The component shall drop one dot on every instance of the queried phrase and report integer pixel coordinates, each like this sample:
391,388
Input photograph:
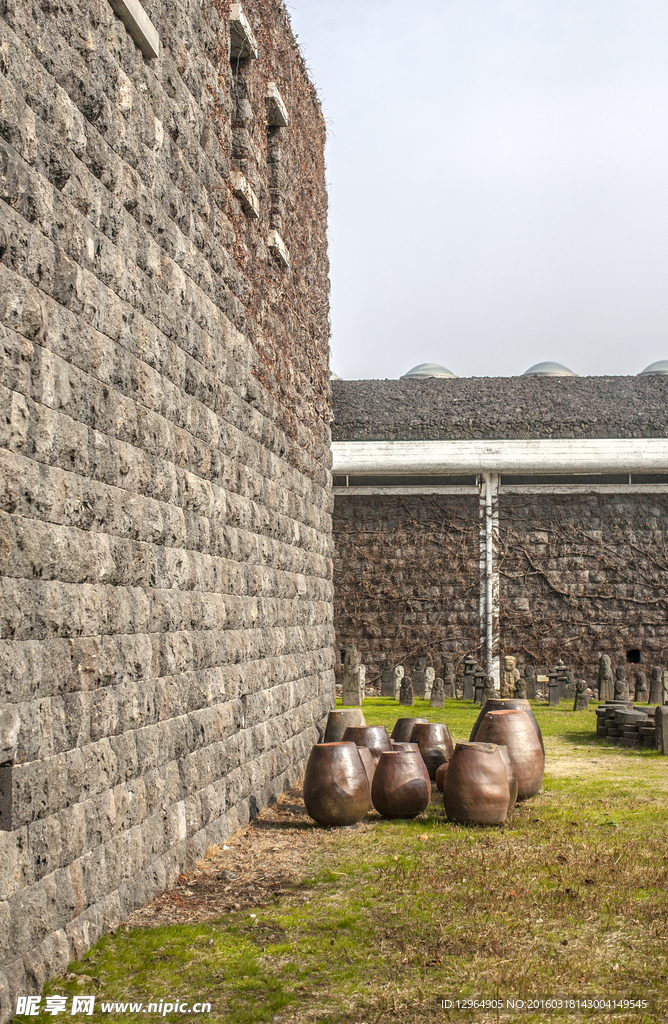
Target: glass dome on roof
548,369
661,366
428,370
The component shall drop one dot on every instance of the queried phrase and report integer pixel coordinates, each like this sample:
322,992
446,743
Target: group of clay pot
358,767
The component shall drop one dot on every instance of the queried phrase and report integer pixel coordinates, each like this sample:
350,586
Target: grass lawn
568,899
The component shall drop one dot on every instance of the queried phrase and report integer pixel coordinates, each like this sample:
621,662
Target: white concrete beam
242,41
278,248
563,455
139,25
277,112
245,194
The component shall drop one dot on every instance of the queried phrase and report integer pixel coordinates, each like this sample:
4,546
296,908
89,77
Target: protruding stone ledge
242,41
278,248
139,25
245,194
277,112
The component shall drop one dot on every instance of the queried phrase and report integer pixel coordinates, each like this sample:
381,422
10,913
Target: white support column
489,589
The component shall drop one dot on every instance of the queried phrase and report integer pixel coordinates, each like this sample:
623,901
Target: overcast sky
498,178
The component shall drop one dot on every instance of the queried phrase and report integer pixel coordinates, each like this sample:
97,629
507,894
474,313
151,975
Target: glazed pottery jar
476,786
372,736
403,728
369,766
499,704
441,772
514,729
339,720
401,786
404,746
512,780
336,787
435,744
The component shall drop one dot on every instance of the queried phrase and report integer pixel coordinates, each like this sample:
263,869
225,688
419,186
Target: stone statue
509,676
390,679
656,686
665,687
554,687
606,682
561,673
437,696
469,669
642,689
571,685
353,678
406,692
431,675
489,692
581,699
479,682
530,681
420,677
449,682
621,685
520,689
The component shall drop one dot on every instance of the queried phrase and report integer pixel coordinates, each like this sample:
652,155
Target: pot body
372,736
499,705
339,720
435,744
336,787
440,776
403,728
404,746
510,772
514,729
401,786
476,786
369,767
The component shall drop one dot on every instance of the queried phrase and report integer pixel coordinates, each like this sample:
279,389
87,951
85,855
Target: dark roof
499,407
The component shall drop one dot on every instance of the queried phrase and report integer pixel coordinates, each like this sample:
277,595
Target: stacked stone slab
625,725
165,526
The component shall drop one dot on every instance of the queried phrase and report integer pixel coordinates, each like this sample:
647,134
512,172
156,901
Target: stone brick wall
406,577
165,528
583,575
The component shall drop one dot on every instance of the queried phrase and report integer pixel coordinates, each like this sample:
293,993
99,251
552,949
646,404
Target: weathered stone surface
165,507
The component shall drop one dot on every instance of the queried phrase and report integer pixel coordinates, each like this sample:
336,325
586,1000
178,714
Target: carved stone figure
581,699
530,681
642,688
489,692
656,686
606,682
469,669
354,675
437,696
390,679
571,685
561,672
420,678
621,685
520,689
406,692
449,682
665,687
509,677
431,675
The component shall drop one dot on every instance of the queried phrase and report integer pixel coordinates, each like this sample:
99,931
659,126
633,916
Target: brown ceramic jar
369,766
435,744
401,786
441,772
404,746
476,786
500,704
514,729
339,720
372,736
512,780
336,787
403,728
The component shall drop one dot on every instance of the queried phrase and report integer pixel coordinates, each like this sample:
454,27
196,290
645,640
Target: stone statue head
388,665
438,686
620,672
529,671
509,662
352,659
421,665
657,672
605,661
581,685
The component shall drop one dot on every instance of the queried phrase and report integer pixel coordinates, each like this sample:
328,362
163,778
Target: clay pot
403,728
513,728
369,766
336,787
404,746
510,772
372,736
441,772
435,744
339,720
401,786
499,704
476,785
